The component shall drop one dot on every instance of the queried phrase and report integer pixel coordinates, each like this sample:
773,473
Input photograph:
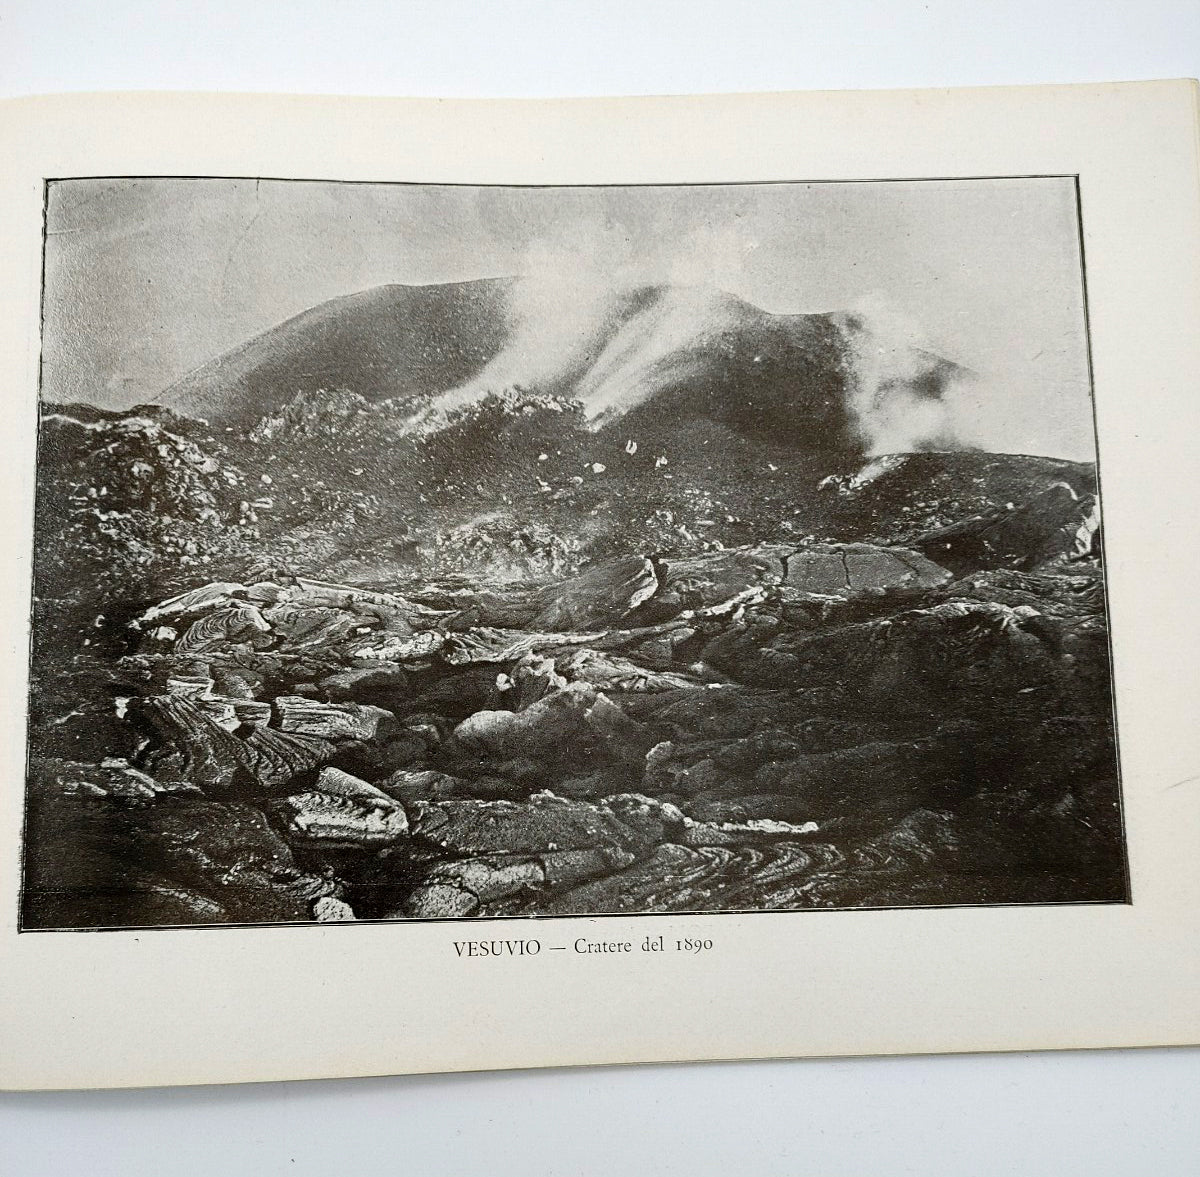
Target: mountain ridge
334,349
657,350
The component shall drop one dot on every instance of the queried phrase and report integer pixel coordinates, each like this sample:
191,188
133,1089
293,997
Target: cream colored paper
237,1004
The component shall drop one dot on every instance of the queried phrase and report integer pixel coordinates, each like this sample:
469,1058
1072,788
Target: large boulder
545,823
599,597
1055,528
567,726
848,570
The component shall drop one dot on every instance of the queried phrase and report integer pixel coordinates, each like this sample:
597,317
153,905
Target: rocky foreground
775,725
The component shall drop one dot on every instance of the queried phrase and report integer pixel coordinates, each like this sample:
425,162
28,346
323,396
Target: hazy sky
147,279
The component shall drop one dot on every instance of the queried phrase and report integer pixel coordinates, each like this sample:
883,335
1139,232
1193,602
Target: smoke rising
990,269
588,319
576,289
900,392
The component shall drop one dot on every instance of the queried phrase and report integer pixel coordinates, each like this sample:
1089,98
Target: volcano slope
528,663
651,355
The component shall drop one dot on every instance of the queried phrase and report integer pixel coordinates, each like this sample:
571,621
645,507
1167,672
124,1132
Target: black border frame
475,920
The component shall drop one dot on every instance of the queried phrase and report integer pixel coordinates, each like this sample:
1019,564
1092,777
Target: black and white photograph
417,551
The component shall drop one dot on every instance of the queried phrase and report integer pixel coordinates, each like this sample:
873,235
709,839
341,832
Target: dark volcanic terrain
621,644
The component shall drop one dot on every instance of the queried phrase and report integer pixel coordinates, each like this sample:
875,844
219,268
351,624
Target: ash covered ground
661,637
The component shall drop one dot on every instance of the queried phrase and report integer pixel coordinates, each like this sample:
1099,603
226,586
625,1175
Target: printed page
506,584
